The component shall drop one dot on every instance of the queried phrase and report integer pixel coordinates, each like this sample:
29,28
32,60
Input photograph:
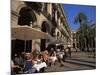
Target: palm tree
92,35
81,18
86,29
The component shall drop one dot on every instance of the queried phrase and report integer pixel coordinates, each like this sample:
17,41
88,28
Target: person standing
69,51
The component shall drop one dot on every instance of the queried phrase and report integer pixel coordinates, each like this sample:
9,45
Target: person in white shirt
60,55
53,58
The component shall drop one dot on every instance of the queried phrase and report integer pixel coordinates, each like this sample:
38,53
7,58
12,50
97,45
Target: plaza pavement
77,61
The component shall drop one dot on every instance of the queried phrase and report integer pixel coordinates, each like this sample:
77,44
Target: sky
71,11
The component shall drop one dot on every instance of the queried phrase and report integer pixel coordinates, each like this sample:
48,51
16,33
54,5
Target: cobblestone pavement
84,57
67,67
88,56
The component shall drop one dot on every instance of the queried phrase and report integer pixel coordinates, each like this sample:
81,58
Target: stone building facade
46,17
74,39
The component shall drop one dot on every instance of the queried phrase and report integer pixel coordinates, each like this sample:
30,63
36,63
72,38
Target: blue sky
71,10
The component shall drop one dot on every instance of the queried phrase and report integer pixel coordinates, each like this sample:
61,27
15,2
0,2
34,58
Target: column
56,16
49,8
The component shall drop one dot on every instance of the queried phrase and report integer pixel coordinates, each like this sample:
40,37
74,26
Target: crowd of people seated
35,62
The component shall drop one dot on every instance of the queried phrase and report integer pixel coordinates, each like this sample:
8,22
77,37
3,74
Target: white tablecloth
39,66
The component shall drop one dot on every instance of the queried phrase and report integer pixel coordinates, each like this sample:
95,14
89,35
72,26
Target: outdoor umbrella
27,33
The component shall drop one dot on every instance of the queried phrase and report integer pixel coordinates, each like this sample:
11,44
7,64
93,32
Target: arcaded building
48,18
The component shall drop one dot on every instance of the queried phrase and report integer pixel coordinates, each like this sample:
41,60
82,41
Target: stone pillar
42,7
59,21
56,16
49,8
36,45
33,45
56,30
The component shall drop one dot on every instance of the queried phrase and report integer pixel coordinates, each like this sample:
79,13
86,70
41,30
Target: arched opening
43,41
73,45
53,31
26,17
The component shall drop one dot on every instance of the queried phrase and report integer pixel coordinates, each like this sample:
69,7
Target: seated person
38,63
13,67
45,56
53,58
40,58
28,62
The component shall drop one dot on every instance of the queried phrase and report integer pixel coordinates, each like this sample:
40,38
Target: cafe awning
27,33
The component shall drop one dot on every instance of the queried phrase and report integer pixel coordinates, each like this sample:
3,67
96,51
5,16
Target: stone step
81,63
85,60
